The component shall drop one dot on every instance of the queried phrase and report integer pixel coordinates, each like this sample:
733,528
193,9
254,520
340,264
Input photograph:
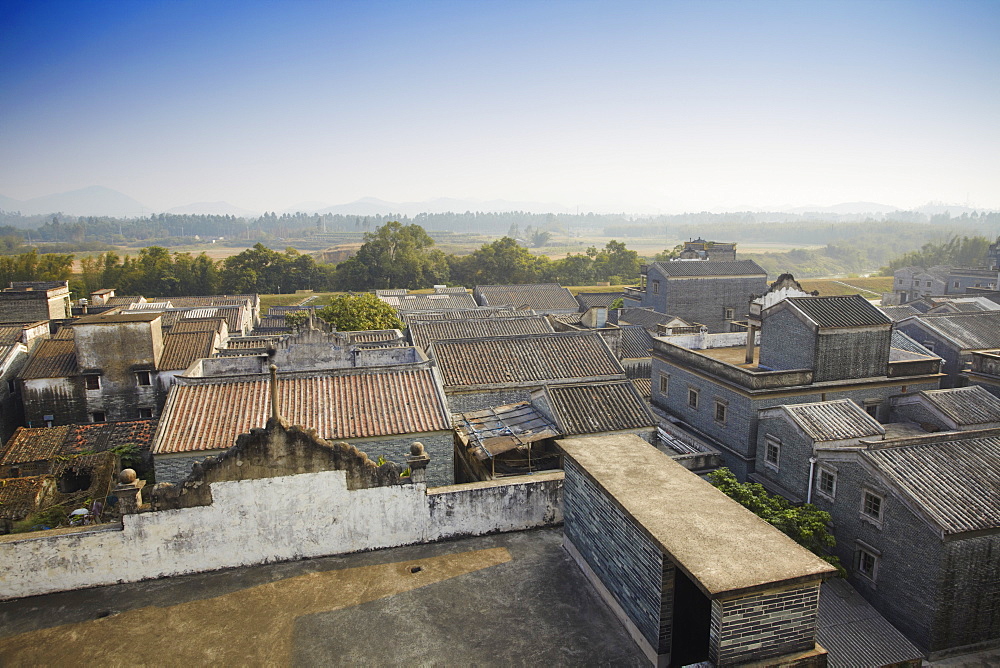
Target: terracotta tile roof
103,436
540,297
839,311
19,497
212,300
181,349
44,443
595,408
53,358
644,386
525,360
65,333
209,416
374,336
10,334
424,333
34,445
955,483
685,268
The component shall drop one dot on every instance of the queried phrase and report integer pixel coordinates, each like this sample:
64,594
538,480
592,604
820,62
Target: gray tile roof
646,317
965,406
897,313
854,633
527,360
595,408
838,420
902,341
460,314
540,297
955,483
424,333
636,342
840,311
683,268
589,299
424,302
969,331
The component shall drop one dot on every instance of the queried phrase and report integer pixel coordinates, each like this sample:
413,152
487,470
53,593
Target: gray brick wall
852,354
175,469
786,343
763,626
623,557
737,436
702,300
793,457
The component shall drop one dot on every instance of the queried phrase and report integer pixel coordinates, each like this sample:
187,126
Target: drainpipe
809,493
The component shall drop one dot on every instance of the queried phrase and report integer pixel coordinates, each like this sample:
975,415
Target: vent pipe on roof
274,393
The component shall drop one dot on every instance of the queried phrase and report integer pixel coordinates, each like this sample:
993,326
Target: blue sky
627,106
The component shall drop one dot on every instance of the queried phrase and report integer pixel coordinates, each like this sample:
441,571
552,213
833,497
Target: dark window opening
693,398
99,416
93,381
144,378
145,413
692,619
73,481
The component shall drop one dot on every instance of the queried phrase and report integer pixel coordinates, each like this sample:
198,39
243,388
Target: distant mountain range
101,201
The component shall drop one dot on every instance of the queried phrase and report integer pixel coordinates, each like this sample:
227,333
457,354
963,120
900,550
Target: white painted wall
704,340
274,519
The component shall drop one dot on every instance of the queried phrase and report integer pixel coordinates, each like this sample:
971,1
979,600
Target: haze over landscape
638,107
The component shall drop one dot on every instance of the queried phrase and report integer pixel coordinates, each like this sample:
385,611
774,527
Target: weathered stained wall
283,518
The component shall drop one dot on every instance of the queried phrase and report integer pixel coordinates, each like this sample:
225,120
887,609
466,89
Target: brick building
811,349
29,301
711,293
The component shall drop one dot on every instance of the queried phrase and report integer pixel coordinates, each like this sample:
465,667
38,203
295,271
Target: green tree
807,525
615,259
394,256
357,312
501,262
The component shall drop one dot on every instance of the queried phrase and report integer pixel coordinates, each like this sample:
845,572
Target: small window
730,313
957,284
98,416
656,287
872,409
145,413
900,281
12,386
867,563
929,345
928,284
720,412
93,381
693,398
772,452
871,506
827,485
143,378
664,383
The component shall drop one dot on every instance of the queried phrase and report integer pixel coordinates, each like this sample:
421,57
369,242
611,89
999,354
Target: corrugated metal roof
595,408
840,311
183,348
424,333
210,416
503,428
969,331
124,300
965,406
834,420
956,483
53,358
540,296
636,342
435,302
683,268
519,360
854,633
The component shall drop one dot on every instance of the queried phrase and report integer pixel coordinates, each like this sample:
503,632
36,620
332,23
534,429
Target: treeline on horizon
746,226
397,255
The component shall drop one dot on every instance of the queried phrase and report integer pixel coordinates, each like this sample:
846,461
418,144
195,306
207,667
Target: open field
869,288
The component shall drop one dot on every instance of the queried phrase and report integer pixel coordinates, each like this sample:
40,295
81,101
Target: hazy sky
640,106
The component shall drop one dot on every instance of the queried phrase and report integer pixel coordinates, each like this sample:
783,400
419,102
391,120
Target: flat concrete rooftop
735,355
508,599
721,545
